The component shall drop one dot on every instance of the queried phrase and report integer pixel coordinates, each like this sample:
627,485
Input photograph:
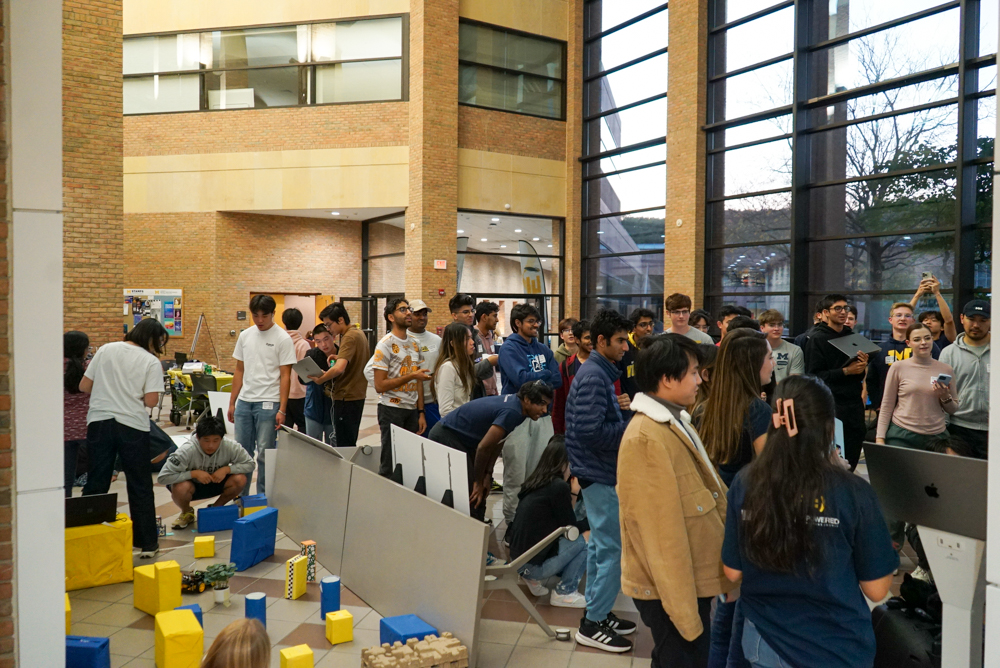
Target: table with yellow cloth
99,554
222,380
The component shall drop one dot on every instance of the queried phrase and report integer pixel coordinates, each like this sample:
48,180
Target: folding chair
506,575
201,385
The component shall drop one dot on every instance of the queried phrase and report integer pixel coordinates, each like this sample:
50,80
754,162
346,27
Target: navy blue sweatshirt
521,361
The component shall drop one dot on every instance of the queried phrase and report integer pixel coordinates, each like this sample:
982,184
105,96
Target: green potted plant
218,576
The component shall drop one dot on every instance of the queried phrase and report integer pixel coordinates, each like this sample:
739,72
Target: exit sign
440,264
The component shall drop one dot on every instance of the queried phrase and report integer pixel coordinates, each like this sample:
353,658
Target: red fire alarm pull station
440,331
440,264
440,292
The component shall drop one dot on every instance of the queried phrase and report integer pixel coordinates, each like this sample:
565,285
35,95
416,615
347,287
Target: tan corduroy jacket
673,516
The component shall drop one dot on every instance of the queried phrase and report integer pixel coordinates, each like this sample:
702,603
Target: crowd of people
705,476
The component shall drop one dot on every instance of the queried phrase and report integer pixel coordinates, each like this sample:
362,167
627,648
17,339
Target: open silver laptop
930,489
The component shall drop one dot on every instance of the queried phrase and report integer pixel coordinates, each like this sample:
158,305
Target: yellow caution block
69,615
295,576
157,587
180,640
204,546
339,627
300,656
251,511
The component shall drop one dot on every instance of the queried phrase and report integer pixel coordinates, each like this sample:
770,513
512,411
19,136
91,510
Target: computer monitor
180,358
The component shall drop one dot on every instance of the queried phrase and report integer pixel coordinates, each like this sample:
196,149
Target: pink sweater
909,400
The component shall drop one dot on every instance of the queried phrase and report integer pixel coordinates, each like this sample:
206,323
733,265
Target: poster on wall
163,304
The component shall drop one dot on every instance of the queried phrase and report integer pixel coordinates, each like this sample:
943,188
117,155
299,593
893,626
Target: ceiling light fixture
535,239
495,220
461,231
334,213
518,231
502,246
483,239
600,231
550,245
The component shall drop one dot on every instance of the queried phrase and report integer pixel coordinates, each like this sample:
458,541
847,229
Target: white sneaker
921,574
535,587
572,600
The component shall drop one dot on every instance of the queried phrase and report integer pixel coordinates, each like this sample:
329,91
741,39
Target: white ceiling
366,213
502,232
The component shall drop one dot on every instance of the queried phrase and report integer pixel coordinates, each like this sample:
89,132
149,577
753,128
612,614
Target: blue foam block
253,538
84,652
256,607
253,501
196,609
217,518
329,591
402,628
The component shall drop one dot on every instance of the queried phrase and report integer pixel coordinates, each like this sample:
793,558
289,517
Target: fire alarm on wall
440,292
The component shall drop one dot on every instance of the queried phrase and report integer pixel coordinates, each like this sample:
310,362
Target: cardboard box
251,504
84,652
339,627
98,554
217,518
180,640
157,587
204,547
295,577
253,538
300,656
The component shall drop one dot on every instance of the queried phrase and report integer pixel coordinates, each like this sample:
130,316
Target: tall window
624,154
853,163
512,71
258,68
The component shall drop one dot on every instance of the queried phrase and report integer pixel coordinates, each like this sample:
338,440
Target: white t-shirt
123,374
429,344
695,335
262,354
398,358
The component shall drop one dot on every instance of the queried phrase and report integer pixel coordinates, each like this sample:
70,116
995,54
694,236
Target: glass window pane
737,9
485,87
873,312
755,168
986,126
536,56
897,143
500,233
385,275
987,28
747,44
624,234
628,43
624,128
751,219
257,47
654,303
914,201
743,134
984,194
632,84
881,263
987,78
481,86
254,89
750,269
481,44
602,16
387,237
631,274
160,94
983,244
758,90
356,40
887,101
359,82
756,303
164,53
854,15
508,274
614,163
639,189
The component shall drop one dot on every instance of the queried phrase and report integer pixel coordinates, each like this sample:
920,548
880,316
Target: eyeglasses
681,312
404,309
566,331
839,309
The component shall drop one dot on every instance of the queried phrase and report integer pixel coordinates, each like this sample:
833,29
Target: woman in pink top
915,405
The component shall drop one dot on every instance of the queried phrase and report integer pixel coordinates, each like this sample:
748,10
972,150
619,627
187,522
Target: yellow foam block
69,615
180,640
157,587
339,627
204,546
295,576
300,656
99,554
250,511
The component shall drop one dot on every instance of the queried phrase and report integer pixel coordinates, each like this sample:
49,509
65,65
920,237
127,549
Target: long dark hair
75,346
454,349
785,484
735,384
551,465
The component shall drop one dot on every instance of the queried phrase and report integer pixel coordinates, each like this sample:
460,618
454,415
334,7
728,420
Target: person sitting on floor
546,503
208,465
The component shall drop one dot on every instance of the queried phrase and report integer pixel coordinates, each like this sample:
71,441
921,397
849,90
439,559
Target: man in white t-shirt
398,379
788,357
429,344
264,357
679,309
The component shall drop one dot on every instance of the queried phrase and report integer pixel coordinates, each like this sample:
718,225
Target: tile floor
508,638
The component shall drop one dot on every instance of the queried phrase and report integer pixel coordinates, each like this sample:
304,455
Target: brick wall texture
219,259
503,132
7,657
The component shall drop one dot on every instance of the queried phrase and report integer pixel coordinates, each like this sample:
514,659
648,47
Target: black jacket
826,362
539,513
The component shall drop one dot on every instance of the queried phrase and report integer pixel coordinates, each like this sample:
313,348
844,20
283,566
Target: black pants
853,417
441,434
347,421
108,439
71,453
670,649
977,439
295,414
407,418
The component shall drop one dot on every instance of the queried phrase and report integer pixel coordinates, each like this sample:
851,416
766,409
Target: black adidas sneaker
622,627
601,636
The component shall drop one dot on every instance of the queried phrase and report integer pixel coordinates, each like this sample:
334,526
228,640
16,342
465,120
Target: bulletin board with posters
164,305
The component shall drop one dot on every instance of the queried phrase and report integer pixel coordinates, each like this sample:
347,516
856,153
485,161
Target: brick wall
326,126
574,148
516,134
92,168
7,658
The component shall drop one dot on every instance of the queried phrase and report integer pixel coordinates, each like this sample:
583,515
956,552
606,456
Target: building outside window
624,155
511,71
853,163
262,68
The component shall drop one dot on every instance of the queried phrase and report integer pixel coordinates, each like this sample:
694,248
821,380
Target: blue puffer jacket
594,422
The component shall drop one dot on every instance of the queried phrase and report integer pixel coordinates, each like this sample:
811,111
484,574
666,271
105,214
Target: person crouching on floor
208,465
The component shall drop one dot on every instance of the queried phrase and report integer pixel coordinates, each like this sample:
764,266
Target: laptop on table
93,509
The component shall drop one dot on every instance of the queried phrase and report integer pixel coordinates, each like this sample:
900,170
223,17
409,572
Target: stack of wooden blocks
431,652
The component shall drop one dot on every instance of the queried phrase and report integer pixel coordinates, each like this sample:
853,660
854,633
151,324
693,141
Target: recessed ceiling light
461,231
495,220
502,246
334,213
773,254
535,239
550,245
483,239
544,260
662,236
518,231
907,238
600,231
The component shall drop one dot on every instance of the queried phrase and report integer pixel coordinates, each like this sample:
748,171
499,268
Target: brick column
432,212
687,81
573,265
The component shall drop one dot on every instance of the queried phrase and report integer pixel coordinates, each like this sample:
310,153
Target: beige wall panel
489,181
146,16
539,17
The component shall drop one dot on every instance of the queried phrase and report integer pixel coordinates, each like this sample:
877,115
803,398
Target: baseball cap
979,307
419,305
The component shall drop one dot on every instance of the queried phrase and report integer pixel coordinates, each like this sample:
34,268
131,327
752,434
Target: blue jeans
321,432
727,634
570,564
432,415
758,652
255,432
604,551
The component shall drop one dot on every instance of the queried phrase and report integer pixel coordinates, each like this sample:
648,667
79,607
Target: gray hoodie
972,383
190,457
